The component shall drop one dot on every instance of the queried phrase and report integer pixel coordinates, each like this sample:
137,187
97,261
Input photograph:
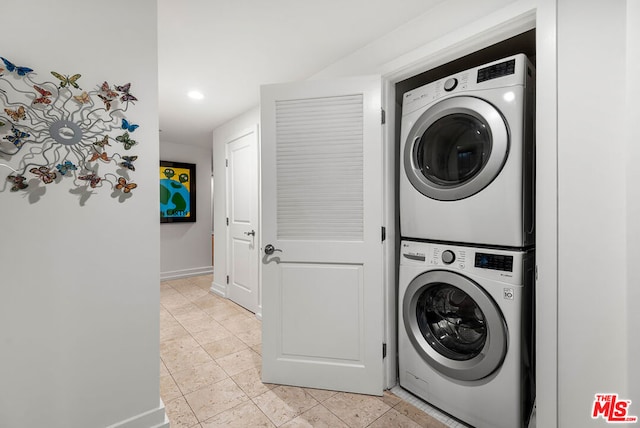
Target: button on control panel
448,257
450,84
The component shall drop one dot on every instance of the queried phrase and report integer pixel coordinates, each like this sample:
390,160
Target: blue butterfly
66,167
17,137
22,71
127,162
129,126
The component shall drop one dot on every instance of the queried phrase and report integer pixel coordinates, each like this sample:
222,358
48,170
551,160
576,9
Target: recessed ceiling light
195,95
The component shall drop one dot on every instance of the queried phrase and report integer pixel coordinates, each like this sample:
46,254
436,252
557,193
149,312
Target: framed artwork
177,192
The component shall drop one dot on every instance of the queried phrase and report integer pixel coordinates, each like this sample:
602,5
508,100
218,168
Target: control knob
448,257
450,84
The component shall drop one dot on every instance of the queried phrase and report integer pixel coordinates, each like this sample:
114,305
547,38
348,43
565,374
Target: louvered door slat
319,163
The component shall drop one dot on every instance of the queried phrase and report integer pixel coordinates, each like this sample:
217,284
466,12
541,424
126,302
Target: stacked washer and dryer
466,280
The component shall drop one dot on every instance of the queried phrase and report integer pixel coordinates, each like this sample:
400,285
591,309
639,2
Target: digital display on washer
497,70
494,261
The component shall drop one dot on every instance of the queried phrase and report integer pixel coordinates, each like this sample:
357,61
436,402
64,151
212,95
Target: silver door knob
270,249
252,233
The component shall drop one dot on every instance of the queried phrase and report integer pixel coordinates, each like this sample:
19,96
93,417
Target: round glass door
454,325
451,321
456,148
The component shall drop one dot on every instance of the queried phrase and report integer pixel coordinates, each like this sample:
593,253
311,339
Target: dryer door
454,325
456,148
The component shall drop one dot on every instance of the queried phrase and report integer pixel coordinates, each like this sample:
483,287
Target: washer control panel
494,263
417,253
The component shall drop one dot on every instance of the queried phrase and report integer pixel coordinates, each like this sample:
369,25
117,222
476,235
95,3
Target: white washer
467,157
465,331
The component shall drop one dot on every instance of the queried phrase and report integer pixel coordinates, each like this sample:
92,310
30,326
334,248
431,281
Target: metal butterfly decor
20,71
66,167
17,138
54,131
126,141
44,96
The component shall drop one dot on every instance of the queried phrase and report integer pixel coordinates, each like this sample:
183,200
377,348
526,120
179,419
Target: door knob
270,249
252,233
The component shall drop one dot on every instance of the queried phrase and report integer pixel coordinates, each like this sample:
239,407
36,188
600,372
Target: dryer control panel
503,73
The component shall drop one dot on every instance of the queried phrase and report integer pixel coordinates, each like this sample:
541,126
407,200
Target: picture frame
177,192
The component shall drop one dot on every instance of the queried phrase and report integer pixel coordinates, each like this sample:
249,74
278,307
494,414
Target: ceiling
226,49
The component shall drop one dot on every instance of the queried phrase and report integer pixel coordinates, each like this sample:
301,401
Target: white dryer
465,331
467,157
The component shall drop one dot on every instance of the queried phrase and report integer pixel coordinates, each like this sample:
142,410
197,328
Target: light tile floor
210,373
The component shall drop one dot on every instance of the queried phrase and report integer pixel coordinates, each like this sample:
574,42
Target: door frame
255,129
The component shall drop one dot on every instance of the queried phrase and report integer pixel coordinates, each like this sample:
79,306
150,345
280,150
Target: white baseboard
219,289
156,418
185,273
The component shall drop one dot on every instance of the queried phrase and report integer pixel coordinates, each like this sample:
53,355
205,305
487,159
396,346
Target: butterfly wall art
57,128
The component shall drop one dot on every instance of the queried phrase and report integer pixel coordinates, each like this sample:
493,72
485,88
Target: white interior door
322,302
243,251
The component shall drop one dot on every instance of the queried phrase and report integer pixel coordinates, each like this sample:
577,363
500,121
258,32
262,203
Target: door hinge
384,351
227,279
383,118
384,233
227,221
226,162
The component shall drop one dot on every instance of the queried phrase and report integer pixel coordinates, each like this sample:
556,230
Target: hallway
210,373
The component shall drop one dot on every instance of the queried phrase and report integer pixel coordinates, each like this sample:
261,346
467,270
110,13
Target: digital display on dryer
494,261
497,70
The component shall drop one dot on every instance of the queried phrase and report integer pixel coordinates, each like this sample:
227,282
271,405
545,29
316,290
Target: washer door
456,148
454,325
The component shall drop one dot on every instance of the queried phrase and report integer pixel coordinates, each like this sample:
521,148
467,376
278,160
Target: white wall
185,248
79,291
595,246
221,136
633,199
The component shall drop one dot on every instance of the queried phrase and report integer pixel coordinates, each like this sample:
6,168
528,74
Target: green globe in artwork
174,199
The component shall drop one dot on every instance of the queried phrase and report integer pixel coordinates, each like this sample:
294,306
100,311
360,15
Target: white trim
185,273
156,418
434,412
547,255
391,224
253,129
219,289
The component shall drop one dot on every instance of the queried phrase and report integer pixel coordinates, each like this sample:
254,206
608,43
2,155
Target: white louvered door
322,324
